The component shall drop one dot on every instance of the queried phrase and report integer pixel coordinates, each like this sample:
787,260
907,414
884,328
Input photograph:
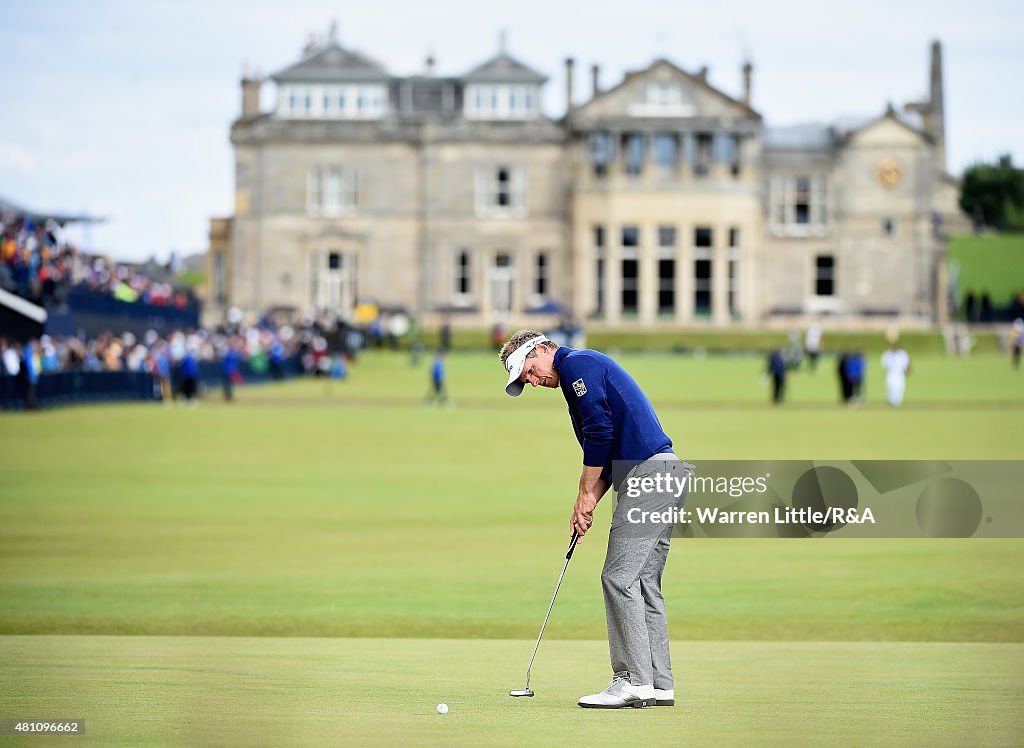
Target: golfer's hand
583,514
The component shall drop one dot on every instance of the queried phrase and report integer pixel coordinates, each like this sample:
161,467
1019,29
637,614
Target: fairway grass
322,563
281,691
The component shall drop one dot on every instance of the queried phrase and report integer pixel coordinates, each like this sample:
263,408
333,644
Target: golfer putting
623,443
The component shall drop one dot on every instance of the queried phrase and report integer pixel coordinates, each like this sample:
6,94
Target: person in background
855,369
416,352
230,370
498,335
985,308
48,354
11,357
812,345
377,332
896,363
30,375
842,369
437,373
794,351
189,376
162,372
1017,342
446,335
277,359
338,368
777,371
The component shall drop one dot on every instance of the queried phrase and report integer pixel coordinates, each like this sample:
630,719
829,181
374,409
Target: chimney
702,74
429,67
250,96
937,107
748,72
569,63
595,76
932,109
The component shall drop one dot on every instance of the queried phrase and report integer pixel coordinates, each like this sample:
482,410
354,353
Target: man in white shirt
812,344
12,361
896,363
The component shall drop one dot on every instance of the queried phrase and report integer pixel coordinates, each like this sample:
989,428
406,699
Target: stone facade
662,201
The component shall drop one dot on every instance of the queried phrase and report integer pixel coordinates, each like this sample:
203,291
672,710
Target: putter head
520,692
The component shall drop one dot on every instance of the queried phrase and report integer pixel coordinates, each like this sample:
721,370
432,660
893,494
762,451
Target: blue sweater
612,417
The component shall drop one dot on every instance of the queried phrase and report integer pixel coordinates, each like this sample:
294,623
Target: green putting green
322,560
284,691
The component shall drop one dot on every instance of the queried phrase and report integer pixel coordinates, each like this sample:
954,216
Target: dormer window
331,82
334,101
664,94
663,98
500,101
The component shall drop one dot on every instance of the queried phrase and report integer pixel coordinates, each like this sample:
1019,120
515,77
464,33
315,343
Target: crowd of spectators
173,360
38,263
980,308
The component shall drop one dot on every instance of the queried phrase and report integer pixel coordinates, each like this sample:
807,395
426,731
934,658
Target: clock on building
889,173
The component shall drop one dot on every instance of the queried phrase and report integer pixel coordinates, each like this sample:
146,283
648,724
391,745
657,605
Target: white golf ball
442,709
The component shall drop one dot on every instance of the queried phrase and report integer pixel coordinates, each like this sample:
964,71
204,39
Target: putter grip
572,544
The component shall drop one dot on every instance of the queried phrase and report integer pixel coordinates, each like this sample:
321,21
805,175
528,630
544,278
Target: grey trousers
637,551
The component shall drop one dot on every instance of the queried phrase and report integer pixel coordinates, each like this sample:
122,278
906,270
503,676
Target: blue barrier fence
69,387
82,387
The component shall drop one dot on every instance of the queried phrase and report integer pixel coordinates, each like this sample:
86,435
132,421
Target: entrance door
502,277
334,283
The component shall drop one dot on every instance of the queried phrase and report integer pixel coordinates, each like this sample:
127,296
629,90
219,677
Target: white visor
515,363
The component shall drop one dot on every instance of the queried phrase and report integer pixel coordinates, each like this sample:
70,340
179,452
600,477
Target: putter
526,691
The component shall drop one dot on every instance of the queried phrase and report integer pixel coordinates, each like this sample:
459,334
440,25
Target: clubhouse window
734,287
634,148
702,157
331,190
630,293
824,275
798,204
630,236
463,281
702,287
666,287
601,152
666,236
501,190
665,150
540,278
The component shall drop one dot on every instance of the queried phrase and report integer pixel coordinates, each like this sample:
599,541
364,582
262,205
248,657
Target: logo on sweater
579,388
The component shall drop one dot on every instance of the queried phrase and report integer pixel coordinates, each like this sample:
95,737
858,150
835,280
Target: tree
993,193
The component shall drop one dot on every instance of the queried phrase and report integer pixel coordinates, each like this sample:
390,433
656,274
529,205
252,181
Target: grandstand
85,294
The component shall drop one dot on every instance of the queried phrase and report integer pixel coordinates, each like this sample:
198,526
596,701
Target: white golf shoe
665,697
620,693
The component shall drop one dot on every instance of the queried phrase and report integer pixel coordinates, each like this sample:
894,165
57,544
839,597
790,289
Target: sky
122,109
